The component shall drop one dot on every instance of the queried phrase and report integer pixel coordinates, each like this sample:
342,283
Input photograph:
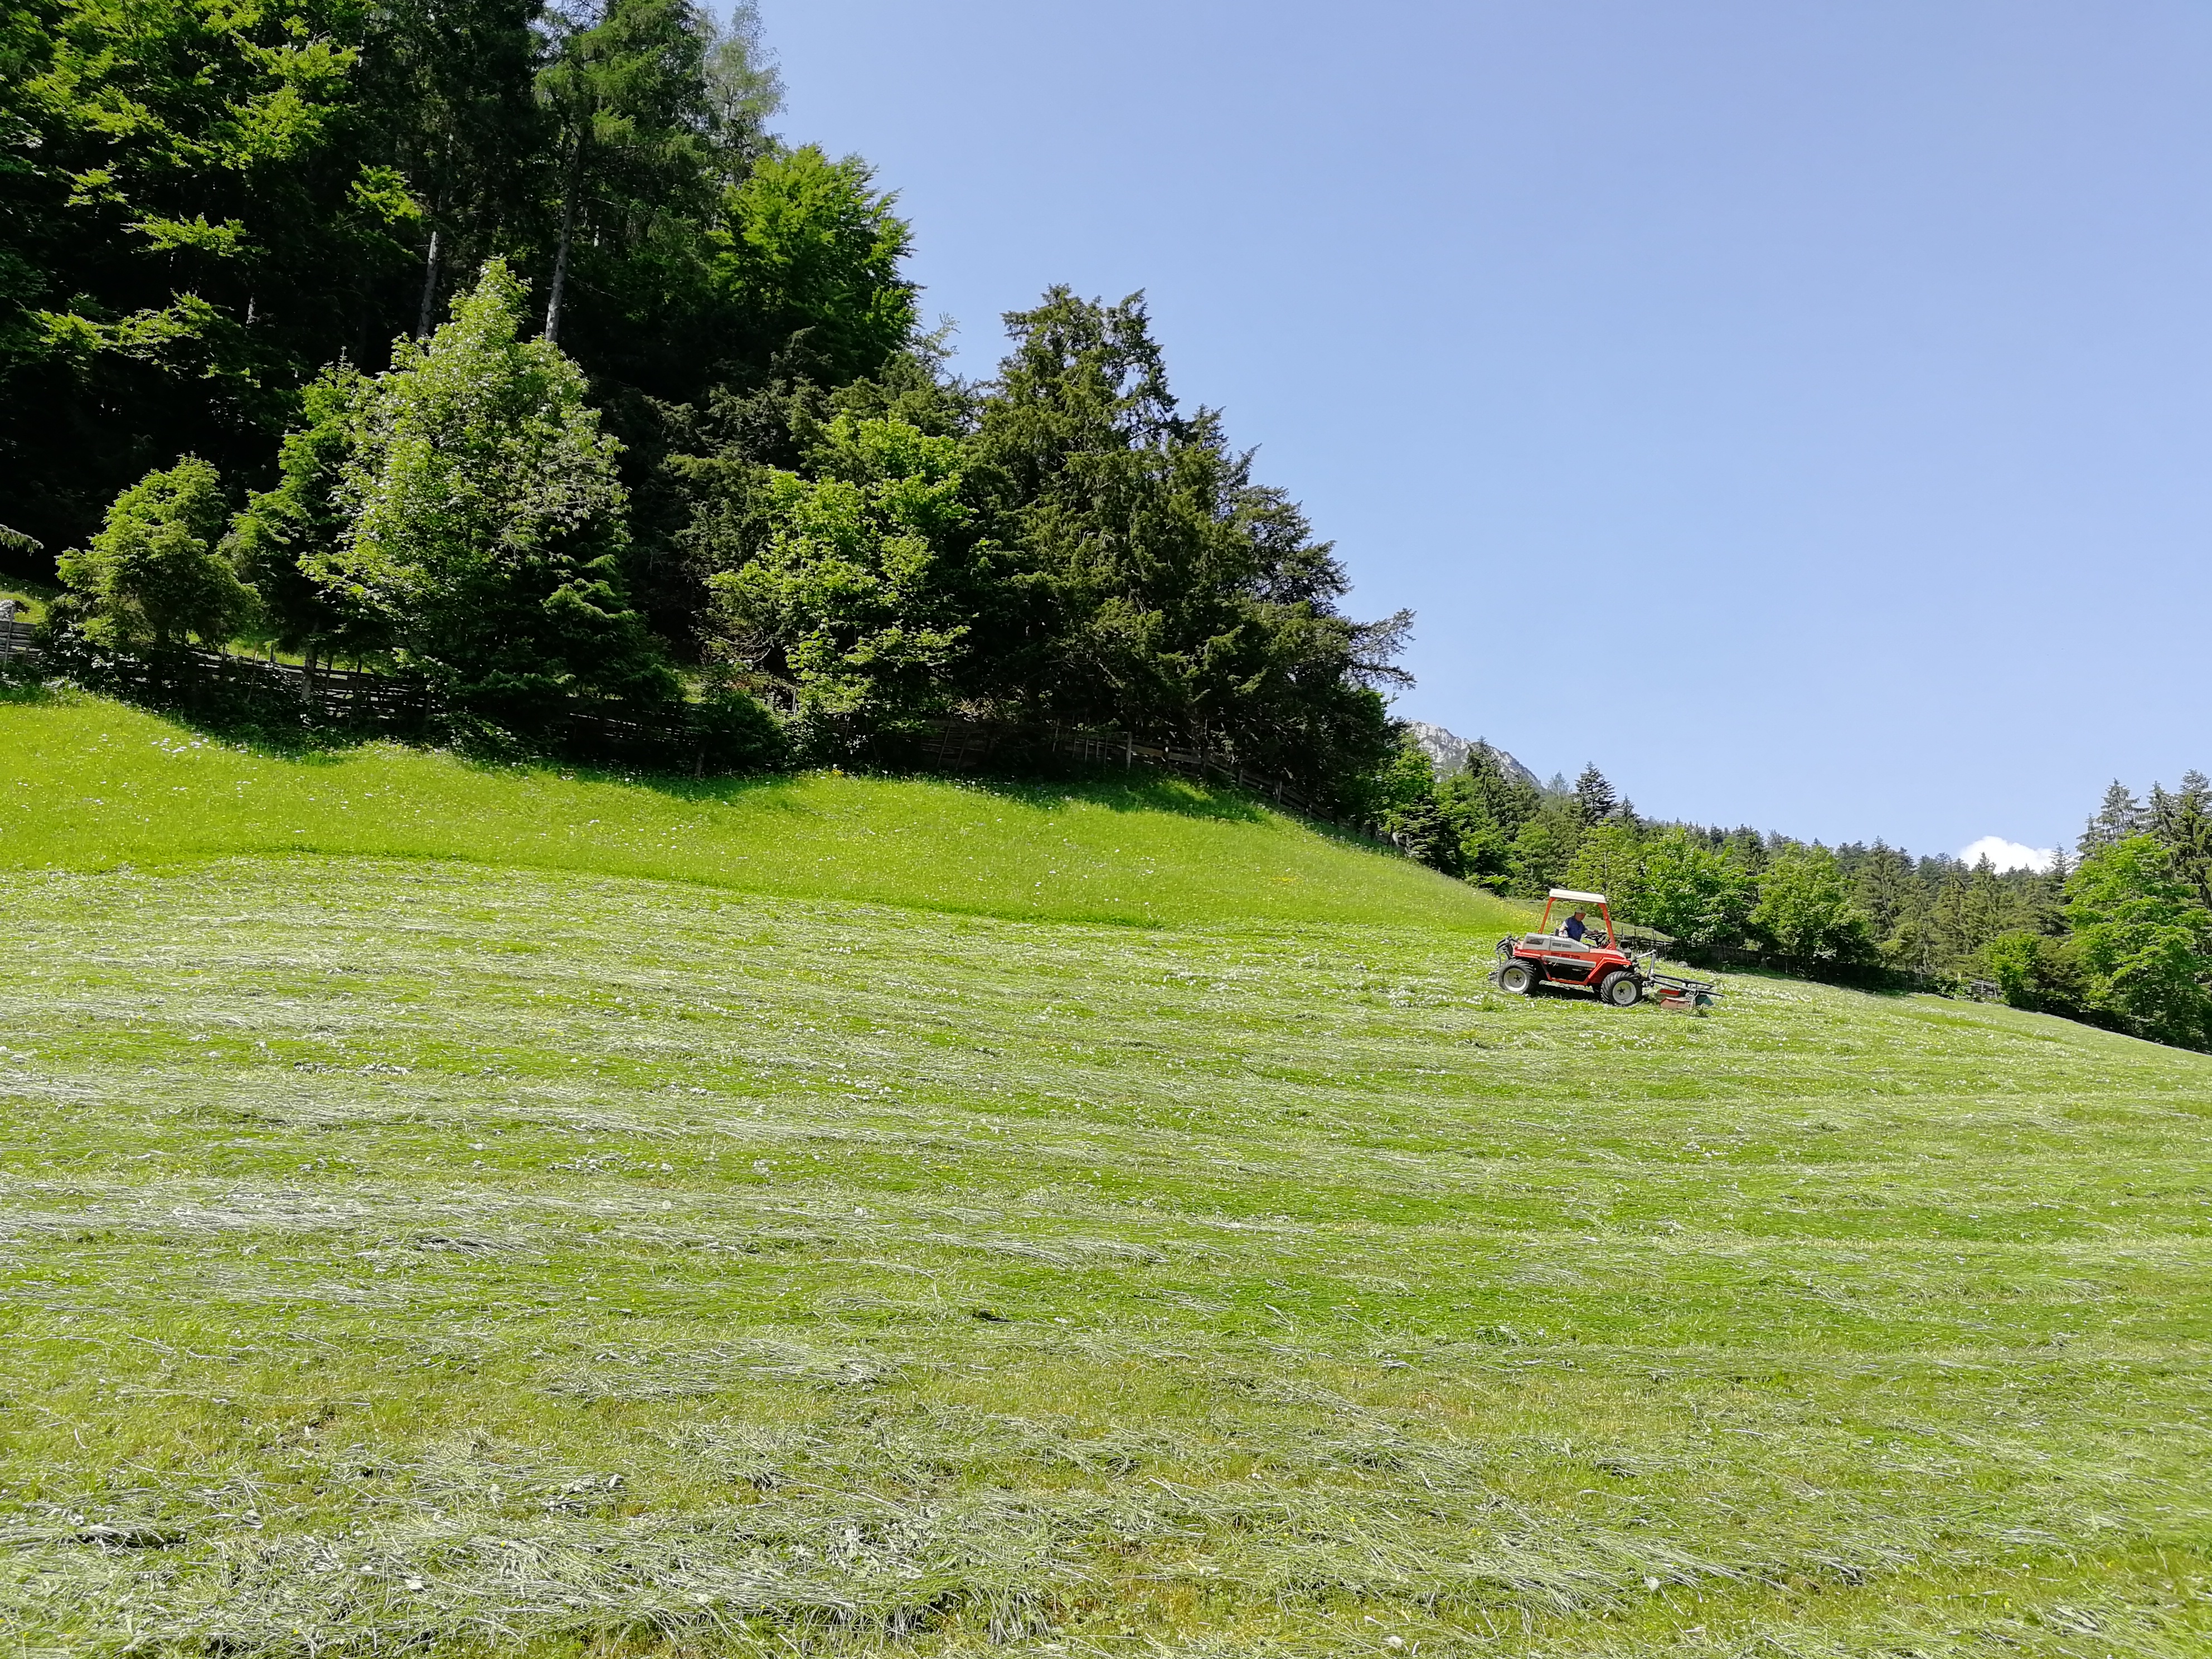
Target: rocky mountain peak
1449,750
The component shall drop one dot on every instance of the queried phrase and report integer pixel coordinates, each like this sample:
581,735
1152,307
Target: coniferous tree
1882,885
1610,859
626,89
287,533
1484,809
2119,816
1160,589
1540,855
1595,800
448,83
2183,824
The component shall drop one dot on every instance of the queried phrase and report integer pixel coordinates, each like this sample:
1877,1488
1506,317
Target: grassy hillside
96,785
461,1234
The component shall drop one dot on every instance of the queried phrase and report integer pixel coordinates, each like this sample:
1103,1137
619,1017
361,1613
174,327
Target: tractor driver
1576,929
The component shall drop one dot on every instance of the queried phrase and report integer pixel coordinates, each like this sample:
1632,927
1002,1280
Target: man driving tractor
1582,958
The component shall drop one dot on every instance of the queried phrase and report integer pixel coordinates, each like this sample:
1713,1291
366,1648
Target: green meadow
96,785
465,1210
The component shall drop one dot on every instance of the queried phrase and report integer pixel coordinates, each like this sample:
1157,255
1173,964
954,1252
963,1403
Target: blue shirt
1575,929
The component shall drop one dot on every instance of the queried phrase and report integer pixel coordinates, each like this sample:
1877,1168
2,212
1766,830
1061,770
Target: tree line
500,343
2118,933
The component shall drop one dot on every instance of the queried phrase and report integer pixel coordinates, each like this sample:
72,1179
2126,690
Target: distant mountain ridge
1449,751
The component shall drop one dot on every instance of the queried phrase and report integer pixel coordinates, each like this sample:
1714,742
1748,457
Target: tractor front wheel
1621,988
1517,977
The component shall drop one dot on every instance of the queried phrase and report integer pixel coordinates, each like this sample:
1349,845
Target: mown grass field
846,1216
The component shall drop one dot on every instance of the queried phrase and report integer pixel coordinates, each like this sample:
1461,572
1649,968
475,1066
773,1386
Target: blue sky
1801,411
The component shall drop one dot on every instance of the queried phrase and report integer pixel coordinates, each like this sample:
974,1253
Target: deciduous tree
153,576
1805,913
859,600
1693,891
2144,941
485,521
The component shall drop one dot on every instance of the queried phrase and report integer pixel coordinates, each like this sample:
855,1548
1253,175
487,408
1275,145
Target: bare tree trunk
429,288
568,230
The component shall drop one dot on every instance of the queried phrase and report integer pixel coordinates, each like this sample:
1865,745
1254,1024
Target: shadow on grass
1043,787
1116,788
1119,791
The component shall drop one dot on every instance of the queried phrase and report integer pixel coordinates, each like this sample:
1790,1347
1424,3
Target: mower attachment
1679,995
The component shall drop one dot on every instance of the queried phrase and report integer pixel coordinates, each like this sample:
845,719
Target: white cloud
2008,854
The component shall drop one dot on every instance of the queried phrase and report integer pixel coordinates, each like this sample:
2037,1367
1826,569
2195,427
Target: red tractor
1589,958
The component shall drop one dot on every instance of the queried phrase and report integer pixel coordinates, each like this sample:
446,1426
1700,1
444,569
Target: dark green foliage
734,733
202,207
2121,815
732,436
2039,973
287,533
2183,824
197,220
449,84
1543,848
1399,799
1484,809
1595,798
1063,545
806,260
1159,589
625,91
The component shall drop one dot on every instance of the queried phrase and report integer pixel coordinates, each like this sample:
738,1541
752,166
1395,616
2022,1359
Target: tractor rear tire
1621,988
1518,977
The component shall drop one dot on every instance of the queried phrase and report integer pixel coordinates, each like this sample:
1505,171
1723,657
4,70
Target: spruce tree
1595,799
287,533
2121,816
1882,886
617,87
2183,824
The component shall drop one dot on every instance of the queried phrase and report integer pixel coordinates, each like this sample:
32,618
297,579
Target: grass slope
504,1247
96,785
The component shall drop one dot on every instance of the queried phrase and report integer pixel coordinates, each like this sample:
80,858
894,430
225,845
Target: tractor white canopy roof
1579,898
